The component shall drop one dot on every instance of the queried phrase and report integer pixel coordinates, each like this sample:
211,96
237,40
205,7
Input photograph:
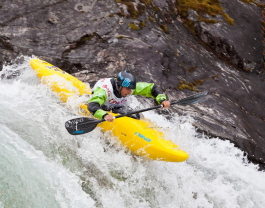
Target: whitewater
41,165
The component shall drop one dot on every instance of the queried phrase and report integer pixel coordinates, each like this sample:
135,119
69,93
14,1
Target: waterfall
41,165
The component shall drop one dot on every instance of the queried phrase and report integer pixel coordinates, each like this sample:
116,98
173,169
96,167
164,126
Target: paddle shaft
127,114
156,107
85,124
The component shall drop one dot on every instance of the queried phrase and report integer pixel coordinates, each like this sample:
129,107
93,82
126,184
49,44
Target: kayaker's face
125,91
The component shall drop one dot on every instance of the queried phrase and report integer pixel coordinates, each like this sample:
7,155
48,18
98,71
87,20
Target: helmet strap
118,88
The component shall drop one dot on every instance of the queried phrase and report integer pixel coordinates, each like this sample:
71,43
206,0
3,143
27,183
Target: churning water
41,165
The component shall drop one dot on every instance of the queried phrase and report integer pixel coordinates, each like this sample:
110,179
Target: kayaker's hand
166,104
109,117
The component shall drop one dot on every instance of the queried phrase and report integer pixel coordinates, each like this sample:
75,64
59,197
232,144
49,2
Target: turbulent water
41,165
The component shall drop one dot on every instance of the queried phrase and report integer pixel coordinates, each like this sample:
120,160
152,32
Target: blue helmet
126,79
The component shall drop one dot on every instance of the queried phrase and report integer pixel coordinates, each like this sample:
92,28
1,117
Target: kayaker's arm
158,94
160,97
98,98
150,90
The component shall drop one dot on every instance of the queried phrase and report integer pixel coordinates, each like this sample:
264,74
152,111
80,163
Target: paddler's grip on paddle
165,104
109,117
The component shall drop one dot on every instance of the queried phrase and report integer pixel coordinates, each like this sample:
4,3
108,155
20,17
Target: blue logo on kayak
142,136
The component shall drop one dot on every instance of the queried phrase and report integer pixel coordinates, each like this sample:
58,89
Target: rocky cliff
183,46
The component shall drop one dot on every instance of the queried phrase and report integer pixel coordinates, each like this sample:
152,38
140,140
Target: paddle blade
81,125
191,99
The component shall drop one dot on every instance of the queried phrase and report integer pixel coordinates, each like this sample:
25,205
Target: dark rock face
95,39
240,43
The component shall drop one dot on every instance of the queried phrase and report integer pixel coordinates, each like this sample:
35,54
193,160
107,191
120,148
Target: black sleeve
156,91
93,107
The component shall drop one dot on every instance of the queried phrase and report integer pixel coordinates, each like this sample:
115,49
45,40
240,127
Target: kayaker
110,94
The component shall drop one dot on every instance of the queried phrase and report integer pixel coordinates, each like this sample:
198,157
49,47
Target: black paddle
84,125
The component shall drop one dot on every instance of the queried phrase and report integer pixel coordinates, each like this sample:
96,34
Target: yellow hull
139,136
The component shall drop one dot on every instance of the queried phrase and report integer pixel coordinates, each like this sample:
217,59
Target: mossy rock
134,13
164,28
190,85
209,7
137,27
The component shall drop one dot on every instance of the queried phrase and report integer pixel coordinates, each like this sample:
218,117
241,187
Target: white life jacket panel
106,85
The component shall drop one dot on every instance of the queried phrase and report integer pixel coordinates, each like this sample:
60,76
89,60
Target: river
41,165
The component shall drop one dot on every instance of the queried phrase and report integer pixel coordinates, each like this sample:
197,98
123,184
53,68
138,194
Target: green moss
141,8
210,7
260,5
124,1
130,7
183,86
140,26
85,38
133,26
208,21
191,69
156,9
121,14
134,13
146,2
151,19
228,19
190,85
198,82
121,36
164,28
190,25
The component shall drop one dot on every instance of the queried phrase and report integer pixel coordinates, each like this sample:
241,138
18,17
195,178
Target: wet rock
228,40
95,39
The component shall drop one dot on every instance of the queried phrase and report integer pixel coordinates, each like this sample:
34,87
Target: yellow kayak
139,136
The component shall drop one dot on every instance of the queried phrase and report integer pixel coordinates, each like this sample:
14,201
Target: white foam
42,163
